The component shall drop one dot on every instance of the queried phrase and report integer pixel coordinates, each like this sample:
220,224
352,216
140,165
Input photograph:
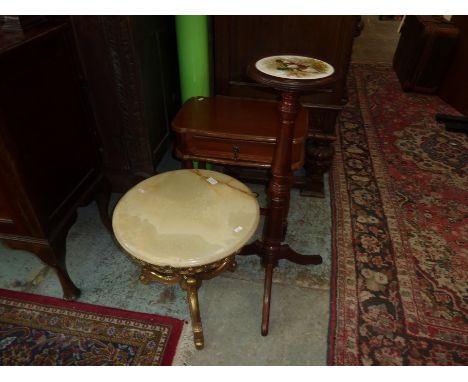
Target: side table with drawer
234,131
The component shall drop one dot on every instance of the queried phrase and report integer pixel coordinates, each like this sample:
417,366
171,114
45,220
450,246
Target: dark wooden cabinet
131,71
424,52
49,158
239,40
454,87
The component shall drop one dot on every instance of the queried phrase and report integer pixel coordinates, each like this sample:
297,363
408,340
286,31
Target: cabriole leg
191,285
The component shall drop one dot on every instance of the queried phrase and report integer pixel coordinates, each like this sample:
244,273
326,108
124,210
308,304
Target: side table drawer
233,151
233,131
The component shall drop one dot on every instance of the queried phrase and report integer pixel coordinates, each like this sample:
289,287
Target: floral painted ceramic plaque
294,67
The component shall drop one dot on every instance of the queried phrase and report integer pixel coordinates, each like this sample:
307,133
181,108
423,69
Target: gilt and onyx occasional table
186,226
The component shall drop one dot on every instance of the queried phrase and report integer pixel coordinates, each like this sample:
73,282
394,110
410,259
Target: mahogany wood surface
234,131
271,247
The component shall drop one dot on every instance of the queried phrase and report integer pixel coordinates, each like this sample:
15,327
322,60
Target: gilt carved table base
190,280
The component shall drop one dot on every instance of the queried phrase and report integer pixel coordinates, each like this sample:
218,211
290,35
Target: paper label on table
212,180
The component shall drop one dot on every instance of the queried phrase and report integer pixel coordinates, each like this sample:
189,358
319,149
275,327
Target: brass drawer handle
235,152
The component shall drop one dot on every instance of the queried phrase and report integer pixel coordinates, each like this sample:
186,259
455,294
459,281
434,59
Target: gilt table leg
191,285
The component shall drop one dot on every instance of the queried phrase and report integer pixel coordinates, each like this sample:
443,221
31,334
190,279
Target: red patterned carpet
37,330
400,191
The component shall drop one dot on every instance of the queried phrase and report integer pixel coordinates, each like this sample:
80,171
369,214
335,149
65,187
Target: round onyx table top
294,67
185,218
293,73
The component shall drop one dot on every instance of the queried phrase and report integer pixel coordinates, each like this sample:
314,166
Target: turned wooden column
290,75
280,183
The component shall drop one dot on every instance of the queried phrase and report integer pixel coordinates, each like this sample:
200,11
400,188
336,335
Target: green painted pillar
192,46
194,68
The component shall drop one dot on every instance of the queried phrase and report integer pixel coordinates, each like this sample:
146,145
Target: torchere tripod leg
267,297
287,253
255,248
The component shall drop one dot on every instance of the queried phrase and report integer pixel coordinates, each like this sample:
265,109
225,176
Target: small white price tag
238,229
212,180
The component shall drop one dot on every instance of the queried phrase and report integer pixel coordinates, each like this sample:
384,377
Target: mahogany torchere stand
291,75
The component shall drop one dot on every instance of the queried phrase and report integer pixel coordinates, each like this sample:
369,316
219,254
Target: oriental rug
400,206
38,330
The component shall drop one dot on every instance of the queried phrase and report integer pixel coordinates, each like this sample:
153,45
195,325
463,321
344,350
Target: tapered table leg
267,298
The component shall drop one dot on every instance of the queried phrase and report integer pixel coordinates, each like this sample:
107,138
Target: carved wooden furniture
49,159
237,40
186,226
453,88
290,75
424,52
130,65
233,131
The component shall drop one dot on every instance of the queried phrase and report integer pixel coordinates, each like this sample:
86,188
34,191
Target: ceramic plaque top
294,67
186,218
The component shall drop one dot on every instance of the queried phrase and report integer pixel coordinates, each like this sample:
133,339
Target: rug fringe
185,348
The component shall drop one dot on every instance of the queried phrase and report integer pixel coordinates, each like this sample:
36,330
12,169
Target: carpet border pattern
167,330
